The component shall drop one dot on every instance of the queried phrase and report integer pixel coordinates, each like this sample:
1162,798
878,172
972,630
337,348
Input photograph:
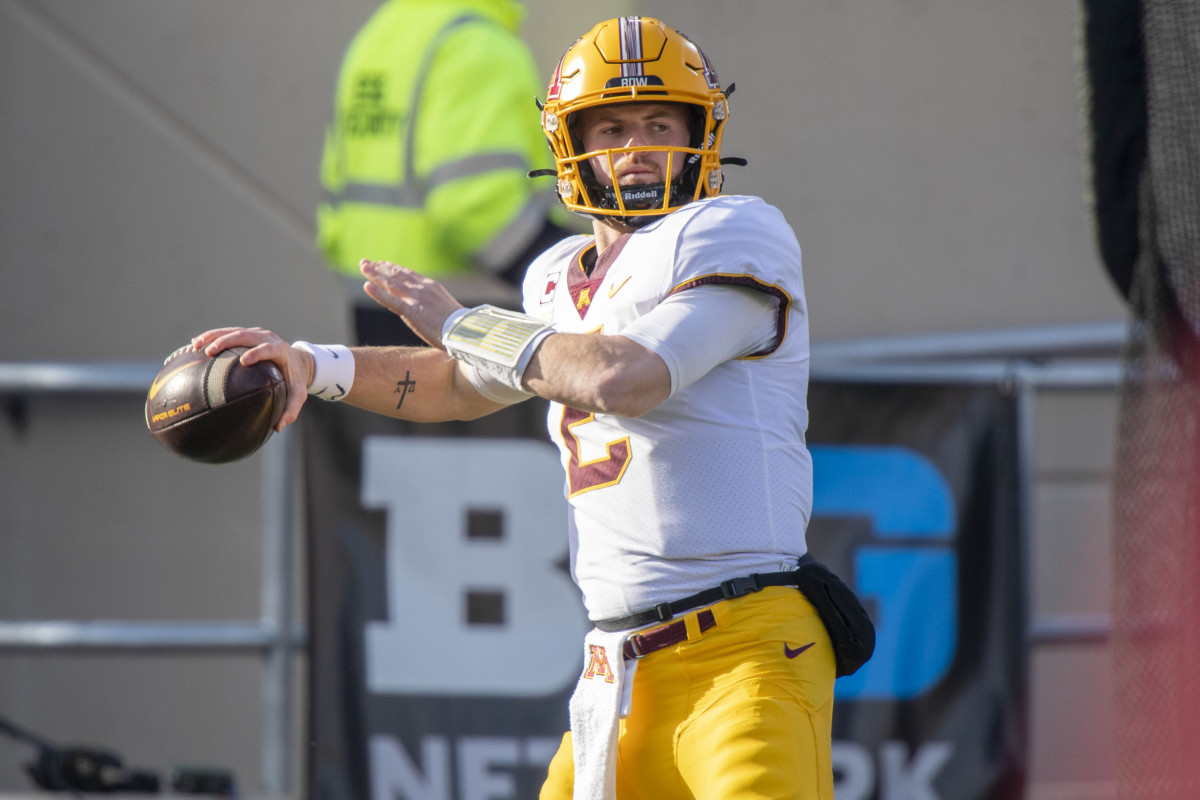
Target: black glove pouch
850,627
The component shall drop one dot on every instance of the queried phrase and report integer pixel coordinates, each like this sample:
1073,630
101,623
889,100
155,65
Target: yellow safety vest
434,132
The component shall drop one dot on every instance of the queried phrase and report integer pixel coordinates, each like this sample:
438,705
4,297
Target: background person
434,131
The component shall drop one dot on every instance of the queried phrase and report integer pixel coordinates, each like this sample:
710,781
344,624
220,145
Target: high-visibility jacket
435,129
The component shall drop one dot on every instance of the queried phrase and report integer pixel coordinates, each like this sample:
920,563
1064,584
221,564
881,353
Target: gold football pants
742,711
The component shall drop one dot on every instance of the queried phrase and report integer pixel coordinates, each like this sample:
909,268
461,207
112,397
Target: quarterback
673,347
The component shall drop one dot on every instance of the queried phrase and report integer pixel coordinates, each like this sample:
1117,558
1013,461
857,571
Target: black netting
1144,115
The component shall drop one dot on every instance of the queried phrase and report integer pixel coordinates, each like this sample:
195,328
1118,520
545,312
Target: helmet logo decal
555,82
710,73
556,79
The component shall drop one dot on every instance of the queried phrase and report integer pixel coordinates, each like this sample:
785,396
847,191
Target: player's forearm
598,373
422,384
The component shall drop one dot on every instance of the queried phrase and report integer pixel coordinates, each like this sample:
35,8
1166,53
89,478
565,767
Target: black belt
735,587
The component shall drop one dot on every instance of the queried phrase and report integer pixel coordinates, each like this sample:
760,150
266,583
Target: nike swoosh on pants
790,653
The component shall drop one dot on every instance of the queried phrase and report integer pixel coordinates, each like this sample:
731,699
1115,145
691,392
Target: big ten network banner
445,632
916,502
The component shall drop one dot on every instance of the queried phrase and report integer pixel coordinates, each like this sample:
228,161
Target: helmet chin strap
637,197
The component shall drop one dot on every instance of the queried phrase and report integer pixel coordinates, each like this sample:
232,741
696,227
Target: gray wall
157,177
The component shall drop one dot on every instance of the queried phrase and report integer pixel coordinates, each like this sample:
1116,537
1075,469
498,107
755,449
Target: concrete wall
157,177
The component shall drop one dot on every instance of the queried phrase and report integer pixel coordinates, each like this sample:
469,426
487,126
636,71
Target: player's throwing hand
296,365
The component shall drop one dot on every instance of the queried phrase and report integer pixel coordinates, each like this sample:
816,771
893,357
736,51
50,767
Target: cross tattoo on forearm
405,387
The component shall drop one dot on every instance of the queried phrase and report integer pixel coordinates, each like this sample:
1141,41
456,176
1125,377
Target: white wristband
498,342
333,369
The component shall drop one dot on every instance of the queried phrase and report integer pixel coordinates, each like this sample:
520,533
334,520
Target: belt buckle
736,587
631,640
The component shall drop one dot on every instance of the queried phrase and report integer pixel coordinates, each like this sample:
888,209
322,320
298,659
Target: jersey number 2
583,476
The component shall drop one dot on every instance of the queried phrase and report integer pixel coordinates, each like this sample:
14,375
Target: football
214,409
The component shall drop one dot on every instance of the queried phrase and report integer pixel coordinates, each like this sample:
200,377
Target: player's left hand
423,303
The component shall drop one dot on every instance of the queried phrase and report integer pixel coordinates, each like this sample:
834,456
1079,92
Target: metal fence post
278,518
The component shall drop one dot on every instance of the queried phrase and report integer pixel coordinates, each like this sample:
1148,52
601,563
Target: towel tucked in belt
601,698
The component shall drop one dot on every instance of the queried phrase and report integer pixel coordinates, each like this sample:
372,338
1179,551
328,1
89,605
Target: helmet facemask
638,204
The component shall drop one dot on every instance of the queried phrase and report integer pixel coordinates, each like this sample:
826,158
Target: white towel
601,698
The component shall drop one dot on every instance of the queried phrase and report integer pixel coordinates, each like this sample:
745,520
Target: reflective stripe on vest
414,192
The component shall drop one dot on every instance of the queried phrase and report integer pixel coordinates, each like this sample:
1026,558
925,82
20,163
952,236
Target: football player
673,346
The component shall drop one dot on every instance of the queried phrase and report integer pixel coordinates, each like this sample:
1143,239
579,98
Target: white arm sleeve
699,328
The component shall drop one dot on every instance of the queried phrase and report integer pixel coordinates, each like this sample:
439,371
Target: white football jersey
716,482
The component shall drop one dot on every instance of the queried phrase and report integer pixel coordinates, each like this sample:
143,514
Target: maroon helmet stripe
631,47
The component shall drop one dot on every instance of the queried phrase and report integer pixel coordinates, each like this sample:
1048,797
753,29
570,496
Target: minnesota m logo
598,664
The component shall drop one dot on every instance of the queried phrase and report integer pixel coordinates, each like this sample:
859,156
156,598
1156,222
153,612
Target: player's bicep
699,328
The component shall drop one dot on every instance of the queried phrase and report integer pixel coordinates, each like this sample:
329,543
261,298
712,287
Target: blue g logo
907,573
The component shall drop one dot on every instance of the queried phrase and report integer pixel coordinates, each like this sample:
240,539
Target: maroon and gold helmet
626,60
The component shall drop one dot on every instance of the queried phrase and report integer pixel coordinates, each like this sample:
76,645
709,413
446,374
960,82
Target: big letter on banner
444,627
914,586
429,488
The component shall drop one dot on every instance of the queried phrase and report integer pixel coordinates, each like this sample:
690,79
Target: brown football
214,409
